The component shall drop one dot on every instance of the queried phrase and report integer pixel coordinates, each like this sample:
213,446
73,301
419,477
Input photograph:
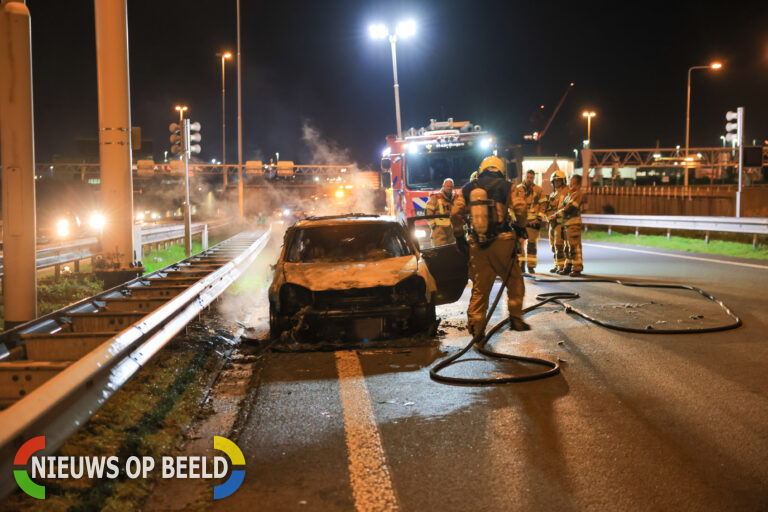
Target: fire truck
416,165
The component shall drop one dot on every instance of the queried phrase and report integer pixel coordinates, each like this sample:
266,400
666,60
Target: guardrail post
77,266
754,241
669,232
706,237
609,230
205,237
637,232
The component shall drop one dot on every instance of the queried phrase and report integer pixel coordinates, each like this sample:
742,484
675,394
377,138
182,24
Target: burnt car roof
335,220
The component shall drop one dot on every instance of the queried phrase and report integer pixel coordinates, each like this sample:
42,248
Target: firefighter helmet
473,176
557,175
492,161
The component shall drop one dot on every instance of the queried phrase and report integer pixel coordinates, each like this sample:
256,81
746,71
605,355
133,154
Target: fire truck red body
420,162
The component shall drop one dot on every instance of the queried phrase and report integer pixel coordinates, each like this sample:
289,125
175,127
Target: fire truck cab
416,165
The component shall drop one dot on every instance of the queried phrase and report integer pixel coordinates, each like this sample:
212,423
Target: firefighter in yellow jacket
492,204
556,235
535,202
570,215
440,203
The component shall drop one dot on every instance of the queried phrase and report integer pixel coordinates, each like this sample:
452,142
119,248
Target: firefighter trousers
531,247
573,247
557,244
442,235
484,266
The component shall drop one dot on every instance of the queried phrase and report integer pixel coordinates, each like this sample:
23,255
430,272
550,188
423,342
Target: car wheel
277,324
425,316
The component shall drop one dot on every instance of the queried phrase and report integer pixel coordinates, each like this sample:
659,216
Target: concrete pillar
18,162
115,134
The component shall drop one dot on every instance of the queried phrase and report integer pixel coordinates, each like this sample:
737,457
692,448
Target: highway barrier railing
86,248
58,370
747,225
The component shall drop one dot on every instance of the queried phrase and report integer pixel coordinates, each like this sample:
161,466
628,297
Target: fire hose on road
481,340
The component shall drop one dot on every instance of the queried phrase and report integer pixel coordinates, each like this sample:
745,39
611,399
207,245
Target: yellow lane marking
368,473
710,260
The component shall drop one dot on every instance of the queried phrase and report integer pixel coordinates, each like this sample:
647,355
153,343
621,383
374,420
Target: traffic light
734,126
193,137
176,139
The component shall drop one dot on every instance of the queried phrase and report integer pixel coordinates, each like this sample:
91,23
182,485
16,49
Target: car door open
447,264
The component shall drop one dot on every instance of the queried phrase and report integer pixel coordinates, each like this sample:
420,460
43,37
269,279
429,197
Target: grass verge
718,247
150,416
53,294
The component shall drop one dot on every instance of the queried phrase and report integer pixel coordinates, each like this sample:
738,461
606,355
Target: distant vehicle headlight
286,212
420,234
97,221
339,194
140,216
62,228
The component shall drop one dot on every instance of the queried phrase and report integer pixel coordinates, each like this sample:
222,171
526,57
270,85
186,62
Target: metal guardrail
60,405
88,247
157,234
748,225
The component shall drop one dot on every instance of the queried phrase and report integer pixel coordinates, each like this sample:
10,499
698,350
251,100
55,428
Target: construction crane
537,136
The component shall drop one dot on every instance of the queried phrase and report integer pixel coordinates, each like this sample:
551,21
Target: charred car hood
346,275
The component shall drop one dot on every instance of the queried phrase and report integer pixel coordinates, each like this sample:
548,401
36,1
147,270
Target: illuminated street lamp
715,66
181,109
589,116
404,29
224,57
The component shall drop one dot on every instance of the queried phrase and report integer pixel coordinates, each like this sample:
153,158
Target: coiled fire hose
480,340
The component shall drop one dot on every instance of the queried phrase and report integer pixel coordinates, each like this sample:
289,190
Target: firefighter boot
517,324
565,270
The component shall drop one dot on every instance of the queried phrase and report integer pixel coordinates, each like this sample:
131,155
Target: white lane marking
750,265
368,472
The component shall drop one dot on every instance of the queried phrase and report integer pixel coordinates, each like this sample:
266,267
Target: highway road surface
633,422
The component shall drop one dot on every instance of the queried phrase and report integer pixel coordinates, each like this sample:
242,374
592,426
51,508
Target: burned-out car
360,277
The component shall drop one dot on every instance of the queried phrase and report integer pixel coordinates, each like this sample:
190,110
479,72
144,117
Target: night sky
492,63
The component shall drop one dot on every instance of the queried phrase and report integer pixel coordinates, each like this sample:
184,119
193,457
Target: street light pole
224,56
589,116
393,43
403,29
714,65
240,189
